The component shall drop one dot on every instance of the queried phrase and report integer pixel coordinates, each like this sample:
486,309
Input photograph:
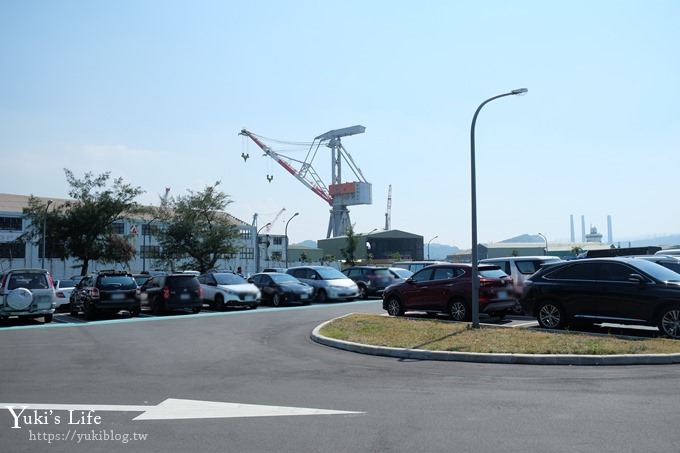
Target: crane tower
339,194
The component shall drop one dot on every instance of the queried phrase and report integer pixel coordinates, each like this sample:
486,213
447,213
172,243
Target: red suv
447,288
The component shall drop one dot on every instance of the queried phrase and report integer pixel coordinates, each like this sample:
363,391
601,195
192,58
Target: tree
348,252
83,227
195,228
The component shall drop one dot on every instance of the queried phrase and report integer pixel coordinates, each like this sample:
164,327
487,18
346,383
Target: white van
520,267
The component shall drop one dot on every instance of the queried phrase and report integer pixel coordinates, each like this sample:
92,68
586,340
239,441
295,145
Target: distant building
379,246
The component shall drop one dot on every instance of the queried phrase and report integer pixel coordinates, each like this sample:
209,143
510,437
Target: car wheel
363,294
90,311
48,318
157,307
218,303
394,307
196,309
669,321
277,300
321,296
458,310
73,310
550,315
134,312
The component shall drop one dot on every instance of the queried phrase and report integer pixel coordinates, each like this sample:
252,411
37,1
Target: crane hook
270,177
245,156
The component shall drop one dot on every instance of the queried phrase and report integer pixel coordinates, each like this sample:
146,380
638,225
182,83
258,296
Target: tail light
61,294
200,292
95,293
166,292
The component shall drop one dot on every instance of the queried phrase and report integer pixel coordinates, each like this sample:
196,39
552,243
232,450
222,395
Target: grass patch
433,335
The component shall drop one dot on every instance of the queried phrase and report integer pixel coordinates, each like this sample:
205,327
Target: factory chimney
571,228
610,238
583,228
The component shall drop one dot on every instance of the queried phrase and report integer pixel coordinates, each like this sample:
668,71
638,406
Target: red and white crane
337,194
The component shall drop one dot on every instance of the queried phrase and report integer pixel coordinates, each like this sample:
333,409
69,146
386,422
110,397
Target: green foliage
196,229
83,227
348,253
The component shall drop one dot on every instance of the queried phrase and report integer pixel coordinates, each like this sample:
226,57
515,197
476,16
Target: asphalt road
105,385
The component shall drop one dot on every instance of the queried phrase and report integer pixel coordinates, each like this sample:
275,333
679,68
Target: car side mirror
409,280
637,278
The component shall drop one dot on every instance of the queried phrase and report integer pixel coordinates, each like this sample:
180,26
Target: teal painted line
57,324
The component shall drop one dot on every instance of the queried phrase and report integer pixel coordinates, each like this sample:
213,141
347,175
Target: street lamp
473,194
286,234
44,235
545,250
257,247
428,246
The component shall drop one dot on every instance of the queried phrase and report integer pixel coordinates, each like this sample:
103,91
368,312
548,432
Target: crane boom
388,213
339,194
313,183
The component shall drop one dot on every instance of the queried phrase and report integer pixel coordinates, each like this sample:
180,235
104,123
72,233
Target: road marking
180,409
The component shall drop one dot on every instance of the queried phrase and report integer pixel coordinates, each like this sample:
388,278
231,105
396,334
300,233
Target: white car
64,288
328,282
27,293
227,289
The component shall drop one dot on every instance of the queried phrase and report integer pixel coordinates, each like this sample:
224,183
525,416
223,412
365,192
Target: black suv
597,290
105,292
171,292
371,280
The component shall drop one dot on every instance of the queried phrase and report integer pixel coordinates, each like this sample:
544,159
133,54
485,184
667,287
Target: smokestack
571,228
583,228
610,238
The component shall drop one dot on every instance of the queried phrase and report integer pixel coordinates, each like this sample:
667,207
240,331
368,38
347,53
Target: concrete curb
524,359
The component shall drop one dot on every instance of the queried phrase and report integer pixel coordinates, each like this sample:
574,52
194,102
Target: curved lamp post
44,235
286,234
545,250
473,194
428,246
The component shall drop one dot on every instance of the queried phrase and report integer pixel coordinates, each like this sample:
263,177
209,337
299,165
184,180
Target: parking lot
512,321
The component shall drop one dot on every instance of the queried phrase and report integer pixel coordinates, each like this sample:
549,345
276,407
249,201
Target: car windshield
229,279
117,282
493,272
284,278
382,273
28,280
403,273
66,283
330,273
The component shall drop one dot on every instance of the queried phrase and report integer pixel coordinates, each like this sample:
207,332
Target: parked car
226,289
63,290
371,280
279,288
27,293
618,290
400,273
275,269
520,268
328,282
447,288
671,262
107,291
415,266
171,292
141,278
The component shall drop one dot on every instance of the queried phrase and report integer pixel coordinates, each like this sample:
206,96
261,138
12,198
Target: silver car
328,282
27,293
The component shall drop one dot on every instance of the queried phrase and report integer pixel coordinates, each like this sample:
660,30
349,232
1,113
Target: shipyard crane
268,227
337,194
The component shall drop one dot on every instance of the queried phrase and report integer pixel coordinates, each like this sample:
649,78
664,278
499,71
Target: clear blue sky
157,91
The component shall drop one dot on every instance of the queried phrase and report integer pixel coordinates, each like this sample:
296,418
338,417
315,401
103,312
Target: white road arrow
177,409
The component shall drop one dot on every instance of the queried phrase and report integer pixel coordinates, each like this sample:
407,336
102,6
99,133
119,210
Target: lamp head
519,91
